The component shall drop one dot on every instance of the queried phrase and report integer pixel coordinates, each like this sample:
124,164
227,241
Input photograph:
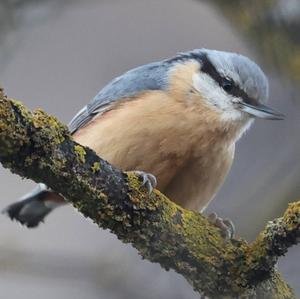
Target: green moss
80,152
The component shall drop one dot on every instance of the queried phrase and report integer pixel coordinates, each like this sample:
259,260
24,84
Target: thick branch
37,146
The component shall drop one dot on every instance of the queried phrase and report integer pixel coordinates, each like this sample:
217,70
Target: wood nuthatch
178,119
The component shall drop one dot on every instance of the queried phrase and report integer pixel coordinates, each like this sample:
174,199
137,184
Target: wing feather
152,76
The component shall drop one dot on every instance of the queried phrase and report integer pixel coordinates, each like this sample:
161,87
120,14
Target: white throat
216,97
221,102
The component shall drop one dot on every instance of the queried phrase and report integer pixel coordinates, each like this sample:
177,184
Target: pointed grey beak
261,111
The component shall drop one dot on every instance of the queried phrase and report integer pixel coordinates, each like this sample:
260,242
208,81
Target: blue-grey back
246,75
152,76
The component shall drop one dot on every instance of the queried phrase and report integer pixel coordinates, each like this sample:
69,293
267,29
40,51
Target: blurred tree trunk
273,29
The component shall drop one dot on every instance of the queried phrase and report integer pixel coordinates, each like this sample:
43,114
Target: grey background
56,55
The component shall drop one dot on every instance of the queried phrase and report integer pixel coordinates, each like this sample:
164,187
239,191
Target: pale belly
189,165
195,185
191,183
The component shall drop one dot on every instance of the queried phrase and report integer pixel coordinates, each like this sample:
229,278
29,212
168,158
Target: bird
174,122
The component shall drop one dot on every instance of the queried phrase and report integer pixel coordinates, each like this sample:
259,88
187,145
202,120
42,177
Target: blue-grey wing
148,77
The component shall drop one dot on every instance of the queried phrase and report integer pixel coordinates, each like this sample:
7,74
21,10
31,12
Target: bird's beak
261,111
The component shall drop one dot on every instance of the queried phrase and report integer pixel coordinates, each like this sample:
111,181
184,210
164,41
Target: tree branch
37,146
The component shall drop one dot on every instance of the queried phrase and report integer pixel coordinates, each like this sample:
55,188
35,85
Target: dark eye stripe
208,68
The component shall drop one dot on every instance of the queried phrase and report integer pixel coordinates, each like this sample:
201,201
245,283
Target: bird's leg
226,225
148,180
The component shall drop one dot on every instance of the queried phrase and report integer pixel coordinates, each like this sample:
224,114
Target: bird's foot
148,180
226,225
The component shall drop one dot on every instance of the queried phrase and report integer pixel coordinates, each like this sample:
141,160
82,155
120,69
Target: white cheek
216,96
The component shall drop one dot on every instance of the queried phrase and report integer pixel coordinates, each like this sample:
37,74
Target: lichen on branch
37,146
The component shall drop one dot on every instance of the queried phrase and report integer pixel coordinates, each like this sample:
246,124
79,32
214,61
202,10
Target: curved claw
225,225
148,180
230,226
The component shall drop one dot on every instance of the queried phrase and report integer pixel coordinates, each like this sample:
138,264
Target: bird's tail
32,208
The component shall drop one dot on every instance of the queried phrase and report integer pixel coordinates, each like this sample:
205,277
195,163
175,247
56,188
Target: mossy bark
37,146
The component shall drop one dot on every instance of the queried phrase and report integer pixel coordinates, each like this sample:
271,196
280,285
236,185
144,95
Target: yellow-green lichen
102,196
22,109
13,135
292,215
50,125
1,92
96,167
139,195
196,234
80,152
133,180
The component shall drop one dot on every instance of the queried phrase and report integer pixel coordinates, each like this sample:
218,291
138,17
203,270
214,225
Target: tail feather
34,207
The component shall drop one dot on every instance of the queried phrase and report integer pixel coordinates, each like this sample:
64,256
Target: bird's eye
227,85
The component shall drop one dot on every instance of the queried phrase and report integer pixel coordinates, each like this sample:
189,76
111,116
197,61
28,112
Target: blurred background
57,55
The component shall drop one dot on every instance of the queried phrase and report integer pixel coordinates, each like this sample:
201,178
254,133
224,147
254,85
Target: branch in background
37,146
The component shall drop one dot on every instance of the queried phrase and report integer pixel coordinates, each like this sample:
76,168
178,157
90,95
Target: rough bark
37,146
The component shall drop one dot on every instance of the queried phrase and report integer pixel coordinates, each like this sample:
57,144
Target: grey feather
244,72
152,76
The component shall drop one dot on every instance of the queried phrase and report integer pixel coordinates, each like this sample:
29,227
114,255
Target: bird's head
231,84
